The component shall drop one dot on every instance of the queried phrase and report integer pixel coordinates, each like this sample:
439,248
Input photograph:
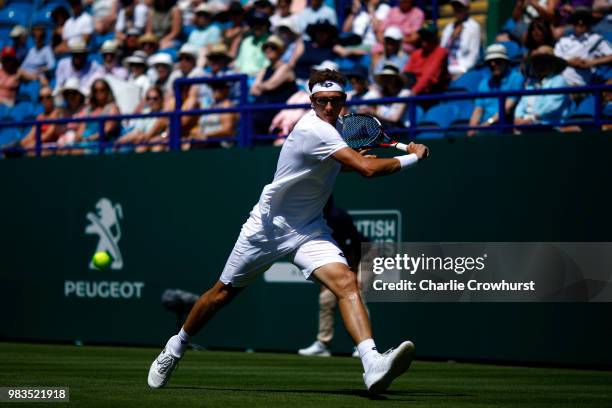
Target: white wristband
407,160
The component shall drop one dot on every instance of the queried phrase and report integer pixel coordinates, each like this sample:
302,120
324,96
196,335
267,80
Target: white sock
367,352
183,336
178,344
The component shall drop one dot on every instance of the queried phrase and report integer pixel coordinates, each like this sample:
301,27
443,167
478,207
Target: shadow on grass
348,392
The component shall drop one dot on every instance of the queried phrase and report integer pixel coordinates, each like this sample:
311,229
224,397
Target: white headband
327,86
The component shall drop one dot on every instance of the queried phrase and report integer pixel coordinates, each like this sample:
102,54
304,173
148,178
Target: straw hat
389,71
77,45
275,41
161,58
18,31
72,84
218,50
138,57
327,64
109,47
496,51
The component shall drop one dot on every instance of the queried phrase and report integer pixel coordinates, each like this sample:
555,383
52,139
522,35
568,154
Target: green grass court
116,376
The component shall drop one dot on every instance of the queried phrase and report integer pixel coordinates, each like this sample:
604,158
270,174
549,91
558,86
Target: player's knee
346,284
220,297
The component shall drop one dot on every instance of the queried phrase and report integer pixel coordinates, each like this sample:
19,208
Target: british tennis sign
379,225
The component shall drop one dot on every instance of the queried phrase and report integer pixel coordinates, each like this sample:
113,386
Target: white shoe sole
399,365
325,354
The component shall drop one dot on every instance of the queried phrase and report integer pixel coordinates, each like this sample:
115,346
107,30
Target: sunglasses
334,100
43,97
153,98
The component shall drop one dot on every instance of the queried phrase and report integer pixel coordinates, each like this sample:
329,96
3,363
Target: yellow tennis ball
101,260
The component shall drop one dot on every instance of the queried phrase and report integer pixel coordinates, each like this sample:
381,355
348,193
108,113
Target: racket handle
401,146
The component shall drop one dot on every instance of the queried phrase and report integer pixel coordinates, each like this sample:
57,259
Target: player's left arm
364,152
369,166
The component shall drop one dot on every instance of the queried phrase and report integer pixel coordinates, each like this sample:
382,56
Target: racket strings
360,131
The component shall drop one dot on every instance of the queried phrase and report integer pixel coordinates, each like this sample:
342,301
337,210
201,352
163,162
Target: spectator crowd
91,58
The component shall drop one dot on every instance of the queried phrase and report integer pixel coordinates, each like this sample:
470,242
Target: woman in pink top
9,79
408,18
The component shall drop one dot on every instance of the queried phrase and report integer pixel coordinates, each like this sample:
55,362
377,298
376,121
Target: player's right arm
369,166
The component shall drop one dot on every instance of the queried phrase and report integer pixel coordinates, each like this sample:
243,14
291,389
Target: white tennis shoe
161,369
387,367
315,349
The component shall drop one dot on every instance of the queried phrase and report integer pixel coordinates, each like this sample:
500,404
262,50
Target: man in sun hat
19,35
110,63
187,64
503,78
545,70
137,66
77,65
392,49
391,84
160,68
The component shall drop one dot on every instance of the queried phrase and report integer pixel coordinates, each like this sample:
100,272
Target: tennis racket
360,131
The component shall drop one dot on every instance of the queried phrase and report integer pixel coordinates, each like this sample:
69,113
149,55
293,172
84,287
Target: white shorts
250,259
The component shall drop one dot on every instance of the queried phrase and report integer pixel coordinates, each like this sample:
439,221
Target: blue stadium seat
44,19
53,3
22,110
514,50
469,81
24,7
438,116
173,52
4,112
97,40
607,111
420,113
9,135
45,10
28,91
10,17
585,110
463,111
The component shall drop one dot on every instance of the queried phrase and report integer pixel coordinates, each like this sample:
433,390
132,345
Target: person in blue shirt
205,32
545,73
503,78
393,53
39,59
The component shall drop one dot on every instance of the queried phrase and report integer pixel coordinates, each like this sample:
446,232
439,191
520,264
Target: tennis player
288,221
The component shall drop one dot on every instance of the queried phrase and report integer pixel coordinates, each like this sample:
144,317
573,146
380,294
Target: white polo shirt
77,27
292,204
